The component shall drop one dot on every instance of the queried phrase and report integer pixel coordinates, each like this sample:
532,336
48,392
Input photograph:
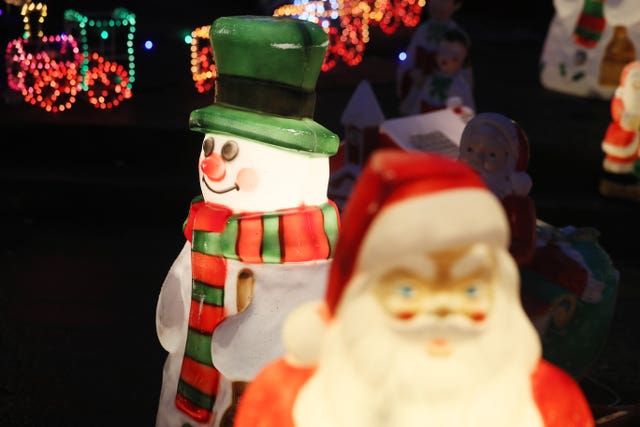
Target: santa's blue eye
406,291
472,291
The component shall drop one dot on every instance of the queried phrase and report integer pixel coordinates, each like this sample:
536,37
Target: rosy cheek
404,315
247,179
478,316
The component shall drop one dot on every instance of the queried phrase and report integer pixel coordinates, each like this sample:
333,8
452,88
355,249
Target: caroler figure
422,322
421,51
261,235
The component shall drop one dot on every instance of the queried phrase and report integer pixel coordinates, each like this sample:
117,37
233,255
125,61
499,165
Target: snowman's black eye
229,150
207,146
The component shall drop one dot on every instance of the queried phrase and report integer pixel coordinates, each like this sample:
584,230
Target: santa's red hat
517,145
410,201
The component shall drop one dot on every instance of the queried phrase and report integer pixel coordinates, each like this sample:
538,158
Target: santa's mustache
455,325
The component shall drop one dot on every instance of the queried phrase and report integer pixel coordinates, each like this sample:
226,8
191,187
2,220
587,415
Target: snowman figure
260,237
587,45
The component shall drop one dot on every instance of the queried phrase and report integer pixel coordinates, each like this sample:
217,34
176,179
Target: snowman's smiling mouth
233,187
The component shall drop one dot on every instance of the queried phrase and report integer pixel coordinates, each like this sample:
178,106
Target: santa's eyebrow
476,258
413,266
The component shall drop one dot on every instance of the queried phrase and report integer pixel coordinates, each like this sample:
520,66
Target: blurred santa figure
621,144
421,323
498,149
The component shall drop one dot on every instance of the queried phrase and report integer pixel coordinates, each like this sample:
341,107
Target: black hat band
264,96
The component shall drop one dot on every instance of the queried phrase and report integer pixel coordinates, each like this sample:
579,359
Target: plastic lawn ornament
621,142
419,288
447,82
360,120
261,235
588,44
420,62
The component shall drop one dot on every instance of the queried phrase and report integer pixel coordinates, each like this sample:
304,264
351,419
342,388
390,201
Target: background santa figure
261,235
421,323
498,149
621,143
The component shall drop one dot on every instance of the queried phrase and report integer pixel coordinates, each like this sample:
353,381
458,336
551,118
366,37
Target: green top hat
265,89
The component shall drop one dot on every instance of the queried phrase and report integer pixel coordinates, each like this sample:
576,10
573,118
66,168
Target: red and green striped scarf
300,234
591,23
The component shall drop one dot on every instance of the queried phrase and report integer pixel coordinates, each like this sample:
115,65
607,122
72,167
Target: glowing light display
108,82
52,72
203,68
28,11
45,70
347,22
105,34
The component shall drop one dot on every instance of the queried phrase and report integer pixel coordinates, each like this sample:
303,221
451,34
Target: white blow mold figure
588,44
260,236
421,324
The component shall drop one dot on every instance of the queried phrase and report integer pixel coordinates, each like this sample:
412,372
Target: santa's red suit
327,380
269,400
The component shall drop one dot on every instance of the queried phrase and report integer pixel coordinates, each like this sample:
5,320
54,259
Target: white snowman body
570,68
245,176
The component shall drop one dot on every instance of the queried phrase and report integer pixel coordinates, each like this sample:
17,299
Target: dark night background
91,205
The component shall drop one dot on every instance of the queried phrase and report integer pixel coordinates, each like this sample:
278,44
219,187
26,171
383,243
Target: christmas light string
44,70
203,69
29,9
83,26
352,18
108,82
52,71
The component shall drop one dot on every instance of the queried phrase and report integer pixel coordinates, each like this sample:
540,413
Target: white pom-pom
520,183
303,333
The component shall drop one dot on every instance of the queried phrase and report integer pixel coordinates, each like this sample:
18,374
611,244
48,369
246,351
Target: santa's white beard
389,377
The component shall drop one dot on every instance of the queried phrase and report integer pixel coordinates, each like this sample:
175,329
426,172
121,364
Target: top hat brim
300,134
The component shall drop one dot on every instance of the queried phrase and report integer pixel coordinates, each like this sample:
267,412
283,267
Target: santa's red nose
213,167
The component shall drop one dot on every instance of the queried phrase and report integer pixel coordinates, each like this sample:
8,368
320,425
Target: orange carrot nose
213,167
